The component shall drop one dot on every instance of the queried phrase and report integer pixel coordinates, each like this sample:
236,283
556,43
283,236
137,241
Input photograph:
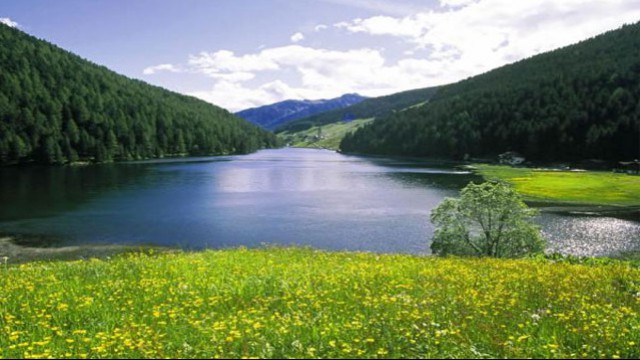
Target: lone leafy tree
489,219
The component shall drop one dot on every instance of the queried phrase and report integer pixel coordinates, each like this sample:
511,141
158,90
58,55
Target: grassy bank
580,187
331,134
305,303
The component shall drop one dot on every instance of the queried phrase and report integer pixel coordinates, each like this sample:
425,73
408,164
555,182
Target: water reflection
34,191
437,180
589,235
289,196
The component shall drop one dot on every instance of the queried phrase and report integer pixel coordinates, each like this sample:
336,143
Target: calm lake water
289,196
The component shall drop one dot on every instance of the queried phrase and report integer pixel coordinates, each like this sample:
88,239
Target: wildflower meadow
287,302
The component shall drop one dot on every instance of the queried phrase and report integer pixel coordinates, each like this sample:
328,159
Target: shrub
489,219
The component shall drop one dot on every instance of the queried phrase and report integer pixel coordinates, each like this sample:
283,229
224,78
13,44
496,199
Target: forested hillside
578,102
56,107
369,108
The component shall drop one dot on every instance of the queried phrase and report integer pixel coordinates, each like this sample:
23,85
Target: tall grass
307,303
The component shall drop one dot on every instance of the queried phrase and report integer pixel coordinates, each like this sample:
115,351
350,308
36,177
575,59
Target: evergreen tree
579,102
56,107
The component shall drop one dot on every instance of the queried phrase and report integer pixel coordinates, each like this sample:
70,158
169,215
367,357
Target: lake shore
287,196
30,250
14,253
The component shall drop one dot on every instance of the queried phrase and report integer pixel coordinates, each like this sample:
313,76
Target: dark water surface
289,196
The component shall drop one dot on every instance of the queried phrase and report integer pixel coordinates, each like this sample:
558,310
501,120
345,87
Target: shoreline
90,161
13,253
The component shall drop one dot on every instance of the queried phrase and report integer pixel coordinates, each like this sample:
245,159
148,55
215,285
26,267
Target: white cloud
320,27
297,37
321,73
157,68
235,96
478,35
461,39
7,21
384,25
225,61
314,66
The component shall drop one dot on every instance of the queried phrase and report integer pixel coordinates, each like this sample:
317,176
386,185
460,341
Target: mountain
578,102
56,107
369,108
275,115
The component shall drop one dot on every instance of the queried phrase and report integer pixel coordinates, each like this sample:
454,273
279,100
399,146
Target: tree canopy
57,107
489,219
578,102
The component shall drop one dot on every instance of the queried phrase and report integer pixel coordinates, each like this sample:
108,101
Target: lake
305,197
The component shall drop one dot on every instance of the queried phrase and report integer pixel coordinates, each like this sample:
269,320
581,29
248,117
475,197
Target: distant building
632,167
511,158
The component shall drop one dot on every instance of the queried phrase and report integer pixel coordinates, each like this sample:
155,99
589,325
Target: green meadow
332,134
580,187
287,302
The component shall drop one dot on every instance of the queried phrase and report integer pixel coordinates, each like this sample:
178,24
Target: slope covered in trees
578,102
369,108
56,107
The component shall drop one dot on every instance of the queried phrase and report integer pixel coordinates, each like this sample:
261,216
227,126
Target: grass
332,134
580,187
305,303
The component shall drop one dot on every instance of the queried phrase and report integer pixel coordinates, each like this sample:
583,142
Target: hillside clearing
330,135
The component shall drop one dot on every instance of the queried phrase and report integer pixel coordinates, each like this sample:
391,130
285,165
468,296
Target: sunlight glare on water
302,197
590,235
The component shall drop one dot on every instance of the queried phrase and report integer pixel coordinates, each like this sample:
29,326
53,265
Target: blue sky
245,53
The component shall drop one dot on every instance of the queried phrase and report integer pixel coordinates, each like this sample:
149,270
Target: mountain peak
275,115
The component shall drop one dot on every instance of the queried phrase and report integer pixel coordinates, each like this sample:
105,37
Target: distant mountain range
367,109
276,115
